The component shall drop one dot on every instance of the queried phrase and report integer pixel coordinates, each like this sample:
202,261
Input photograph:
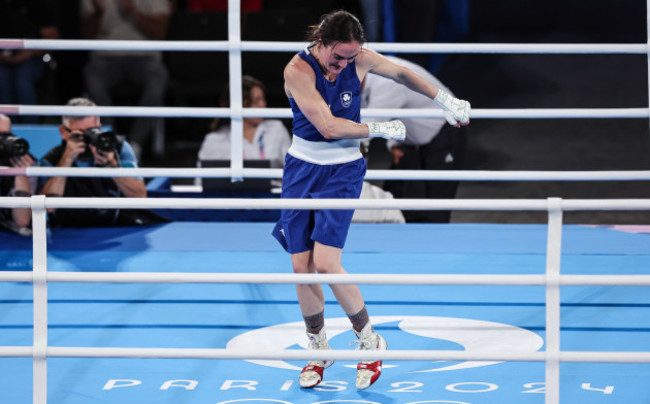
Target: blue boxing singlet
316,167
343,96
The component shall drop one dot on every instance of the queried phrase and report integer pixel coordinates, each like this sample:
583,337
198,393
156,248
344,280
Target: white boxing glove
394,130
456,111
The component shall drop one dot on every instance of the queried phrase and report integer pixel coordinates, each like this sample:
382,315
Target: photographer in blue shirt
86,144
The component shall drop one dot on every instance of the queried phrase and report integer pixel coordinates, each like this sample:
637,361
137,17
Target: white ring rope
462,175
333,354
254,203
330,279
275,46
216,112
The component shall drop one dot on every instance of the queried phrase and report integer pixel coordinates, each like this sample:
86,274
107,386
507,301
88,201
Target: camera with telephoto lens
12,146
103,140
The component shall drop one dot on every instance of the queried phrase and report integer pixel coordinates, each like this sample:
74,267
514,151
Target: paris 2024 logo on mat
466,334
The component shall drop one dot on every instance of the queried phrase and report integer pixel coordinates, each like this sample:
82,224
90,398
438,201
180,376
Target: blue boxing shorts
297,230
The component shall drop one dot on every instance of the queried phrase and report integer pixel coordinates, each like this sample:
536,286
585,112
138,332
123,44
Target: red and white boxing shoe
369,372
312,374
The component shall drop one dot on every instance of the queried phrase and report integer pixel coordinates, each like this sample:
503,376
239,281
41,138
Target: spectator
20,69
144,70
430,144
264,139
80,148
16,219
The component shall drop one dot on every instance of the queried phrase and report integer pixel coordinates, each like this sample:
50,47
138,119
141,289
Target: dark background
555,81
486,80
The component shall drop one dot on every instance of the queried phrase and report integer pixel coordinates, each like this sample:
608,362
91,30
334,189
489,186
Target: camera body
105,141
12,146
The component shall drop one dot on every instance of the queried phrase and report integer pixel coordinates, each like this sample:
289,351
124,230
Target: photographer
14,152
84,144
